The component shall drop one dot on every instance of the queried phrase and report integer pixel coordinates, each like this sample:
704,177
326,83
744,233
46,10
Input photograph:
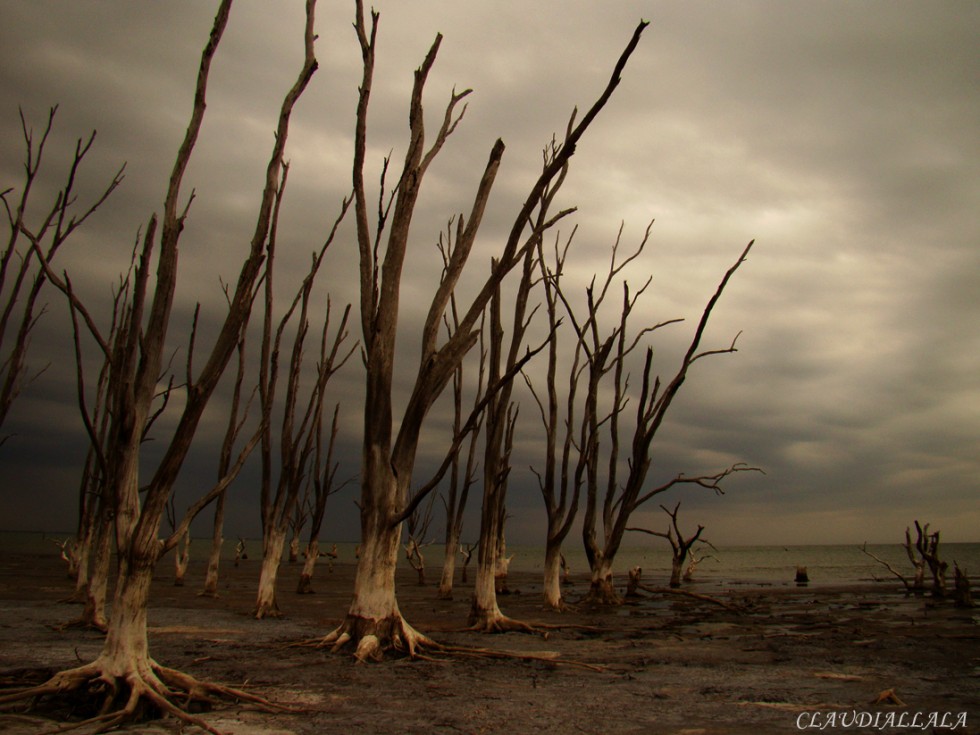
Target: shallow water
826,564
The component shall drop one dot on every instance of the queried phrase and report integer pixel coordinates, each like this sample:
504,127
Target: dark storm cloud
841,137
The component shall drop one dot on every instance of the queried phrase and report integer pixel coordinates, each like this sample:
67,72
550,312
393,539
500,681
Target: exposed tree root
145,690
486,623
601,594
371,638
82,623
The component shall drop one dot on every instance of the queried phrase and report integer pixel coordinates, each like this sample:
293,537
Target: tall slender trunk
552,575
449,566
265,602
217,541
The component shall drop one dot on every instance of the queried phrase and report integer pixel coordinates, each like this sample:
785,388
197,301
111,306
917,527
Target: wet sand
670,664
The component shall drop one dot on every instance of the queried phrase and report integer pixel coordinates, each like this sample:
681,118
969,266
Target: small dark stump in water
802,579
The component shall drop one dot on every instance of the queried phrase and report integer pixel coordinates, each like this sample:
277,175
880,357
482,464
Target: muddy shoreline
670,664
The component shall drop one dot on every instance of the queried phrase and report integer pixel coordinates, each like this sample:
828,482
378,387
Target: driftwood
694,595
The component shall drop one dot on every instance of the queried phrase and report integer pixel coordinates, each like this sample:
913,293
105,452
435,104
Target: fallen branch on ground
694,595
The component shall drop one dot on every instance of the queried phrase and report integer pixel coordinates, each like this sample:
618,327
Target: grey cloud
842,137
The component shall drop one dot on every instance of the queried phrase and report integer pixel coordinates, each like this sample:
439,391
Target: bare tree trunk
305,586
94,593
601,587
553,576
448,575
466,551
373,621
459,486
266,604
217,542
124,669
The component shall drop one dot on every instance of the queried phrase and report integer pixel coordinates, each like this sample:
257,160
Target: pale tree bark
374,622
21,277
124,672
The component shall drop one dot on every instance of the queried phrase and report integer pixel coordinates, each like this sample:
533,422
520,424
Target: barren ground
670,664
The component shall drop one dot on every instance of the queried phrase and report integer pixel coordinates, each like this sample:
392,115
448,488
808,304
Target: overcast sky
842,137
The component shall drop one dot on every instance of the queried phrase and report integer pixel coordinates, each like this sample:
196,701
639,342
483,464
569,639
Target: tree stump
634,582
961,588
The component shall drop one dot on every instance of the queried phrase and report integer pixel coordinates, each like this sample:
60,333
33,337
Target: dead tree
241,552
622,498
323,480
927,546
923,554
680,546
461,477
374,622
296,523
298,433
416,530
501,420
559,482
22,278
236,423
466,553
182,551
694,560
124,679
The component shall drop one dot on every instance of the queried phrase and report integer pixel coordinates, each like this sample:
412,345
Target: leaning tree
124,680
374,622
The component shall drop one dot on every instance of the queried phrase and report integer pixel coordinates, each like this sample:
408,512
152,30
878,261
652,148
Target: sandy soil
670,664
